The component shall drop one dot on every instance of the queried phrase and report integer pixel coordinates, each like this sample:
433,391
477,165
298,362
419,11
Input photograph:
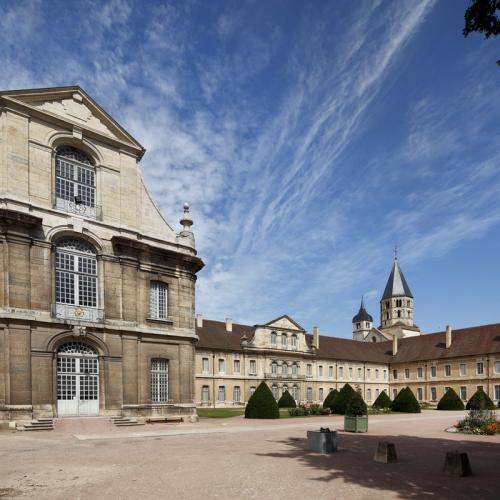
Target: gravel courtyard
237,459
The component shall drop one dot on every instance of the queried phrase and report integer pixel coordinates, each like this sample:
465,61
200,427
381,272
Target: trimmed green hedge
480,401
340,402
356,406
383,401
286,401
262,404
450,401
405,402
330,398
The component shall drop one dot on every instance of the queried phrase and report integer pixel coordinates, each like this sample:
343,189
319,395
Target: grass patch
219,412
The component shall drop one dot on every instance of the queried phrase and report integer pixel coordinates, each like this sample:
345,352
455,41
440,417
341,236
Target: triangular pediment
284,322
72,104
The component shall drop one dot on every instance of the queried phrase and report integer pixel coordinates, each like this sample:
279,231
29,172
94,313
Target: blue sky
309,138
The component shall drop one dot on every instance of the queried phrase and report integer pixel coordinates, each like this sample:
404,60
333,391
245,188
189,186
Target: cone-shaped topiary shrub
356,407
383,401
450,401
480,401
329,398
262,404
286,401
340,402
405,402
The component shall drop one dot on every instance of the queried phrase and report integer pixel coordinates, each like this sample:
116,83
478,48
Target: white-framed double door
77,385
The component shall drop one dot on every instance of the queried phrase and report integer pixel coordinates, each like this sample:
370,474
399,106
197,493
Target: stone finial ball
186,206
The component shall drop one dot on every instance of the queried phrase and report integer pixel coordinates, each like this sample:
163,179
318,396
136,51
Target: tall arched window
76,280
274,368
284,340
273,338
295,369
75,182
284,369
294,342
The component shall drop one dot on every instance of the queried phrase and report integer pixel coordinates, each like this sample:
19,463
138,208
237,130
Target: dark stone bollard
386,453
457,464
322,442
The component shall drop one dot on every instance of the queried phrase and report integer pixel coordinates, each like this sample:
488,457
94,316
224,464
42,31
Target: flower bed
479,422
305,411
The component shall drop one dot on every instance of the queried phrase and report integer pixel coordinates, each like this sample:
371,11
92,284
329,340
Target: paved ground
238,459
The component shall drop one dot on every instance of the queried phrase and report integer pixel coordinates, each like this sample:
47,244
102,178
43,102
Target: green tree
480,401
450,401
262,404
483,16
340,402
405,402
383,401
356,406
330,398
286,401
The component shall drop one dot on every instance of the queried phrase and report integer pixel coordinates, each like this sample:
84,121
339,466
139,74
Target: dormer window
75,183
294,342
284,341
358,326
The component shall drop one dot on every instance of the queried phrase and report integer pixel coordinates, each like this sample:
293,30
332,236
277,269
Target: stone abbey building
97,296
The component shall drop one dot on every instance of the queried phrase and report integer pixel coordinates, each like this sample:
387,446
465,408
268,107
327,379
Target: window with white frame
273,338
360,373
447,370
309,370
368,394
330,371
321,394
376,373
159,381
295,392
368,374
75,189
274,390
433,371
222,393
480,368
236,394
407,373
158,300
236,367
284,340
76,273
293,341
463,393
204,365
309,394
497,366
433,394
205,394
284,369
463,369
420,393
274,368
252,390
395,374
295,369
341,372
253,367
222,366
320,371
497,392
420,372
385,374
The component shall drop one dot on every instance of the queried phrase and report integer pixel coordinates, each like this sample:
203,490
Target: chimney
394,345
448,336
229,325
315,341
199,321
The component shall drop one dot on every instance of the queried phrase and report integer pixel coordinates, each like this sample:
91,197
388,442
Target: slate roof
362,314
478,340
396,284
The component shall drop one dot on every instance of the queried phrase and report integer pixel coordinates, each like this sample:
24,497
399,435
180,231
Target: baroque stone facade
98,290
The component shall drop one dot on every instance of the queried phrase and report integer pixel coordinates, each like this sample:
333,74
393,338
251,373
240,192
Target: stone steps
126,421
41,424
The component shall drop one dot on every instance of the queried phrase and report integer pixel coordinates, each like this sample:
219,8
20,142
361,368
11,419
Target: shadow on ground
417,474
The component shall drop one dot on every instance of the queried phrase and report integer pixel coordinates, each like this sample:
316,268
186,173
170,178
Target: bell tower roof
362,314
396,284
